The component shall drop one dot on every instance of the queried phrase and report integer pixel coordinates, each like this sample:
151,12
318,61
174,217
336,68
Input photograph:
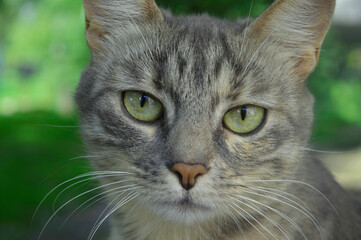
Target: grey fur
199,68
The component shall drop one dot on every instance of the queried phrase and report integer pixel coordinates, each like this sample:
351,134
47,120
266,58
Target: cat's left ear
299,26
106,17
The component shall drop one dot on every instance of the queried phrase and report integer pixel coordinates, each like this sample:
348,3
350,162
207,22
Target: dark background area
42,53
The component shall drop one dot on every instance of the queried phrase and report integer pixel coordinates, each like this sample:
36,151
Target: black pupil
143,100
243,113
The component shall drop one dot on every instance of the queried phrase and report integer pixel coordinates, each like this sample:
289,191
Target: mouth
185,204
185,210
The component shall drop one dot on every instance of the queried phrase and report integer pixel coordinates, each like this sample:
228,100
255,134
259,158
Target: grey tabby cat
198,127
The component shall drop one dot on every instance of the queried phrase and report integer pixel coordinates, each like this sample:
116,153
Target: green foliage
336,86
36,155
44,54
231,9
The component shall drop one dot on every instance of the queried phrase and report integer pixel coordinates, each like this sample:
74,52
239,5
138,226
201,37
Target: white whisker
278,212
254,219
302,210
75,178
57,126
281,193
323,151
259,211
137,204
106,195
236,221
111,203
302,183
65,204
85,180
84,157
247,219
119,205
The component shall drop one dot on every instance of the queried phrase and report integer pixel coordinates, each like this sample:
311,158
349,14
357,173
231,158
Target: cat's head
196,109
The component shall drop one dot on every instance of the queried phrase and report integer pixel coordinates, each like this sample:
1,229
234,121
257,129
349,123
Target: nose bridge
191,143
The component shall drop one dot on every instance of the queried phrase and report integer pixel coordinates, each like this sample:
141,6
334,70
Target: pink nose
188,173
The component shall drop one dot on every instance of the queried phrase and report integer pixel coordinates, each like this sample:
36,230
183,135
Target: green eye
142,107
244,119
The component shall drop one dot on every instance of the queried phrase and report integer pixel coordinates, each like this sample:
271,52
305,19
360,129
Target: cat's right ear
104,18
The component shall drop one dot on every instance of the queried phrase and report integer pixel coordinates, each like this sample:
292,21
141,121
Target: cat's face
199,69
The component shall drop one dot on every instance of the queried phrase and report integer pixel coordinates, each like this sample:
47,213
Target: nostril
198,175
179,175
187,173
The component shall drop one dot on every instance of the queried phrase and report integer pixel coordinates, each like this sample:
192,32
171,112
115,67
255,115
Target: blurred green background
42,53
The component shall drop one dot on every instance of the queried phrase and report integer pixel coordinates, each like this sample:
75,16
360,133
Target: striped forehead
191,65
